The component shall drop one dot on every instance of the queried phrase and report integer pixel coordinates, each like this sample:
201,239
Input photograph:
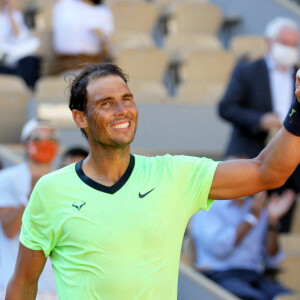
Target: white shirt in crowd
282,88
15,186
6,30
73,25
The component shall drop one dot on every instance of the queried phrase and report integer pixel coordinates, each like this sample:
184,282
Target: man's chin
122,143
125,144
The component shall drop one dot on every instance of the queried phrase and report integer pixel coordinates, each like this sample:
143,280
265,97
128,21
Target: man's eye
126,100
105,104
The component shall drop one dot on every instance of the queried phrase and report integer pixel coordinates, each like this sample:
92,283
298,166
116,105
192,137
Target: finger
289,193
274,198
286,204
297,84
297,94
288,199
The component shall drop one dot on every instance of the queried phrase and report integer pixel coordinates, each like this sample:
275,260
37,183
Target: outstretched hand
279,205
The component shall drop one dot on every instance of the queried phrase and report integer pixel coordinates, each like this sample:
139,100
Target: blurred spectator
235,239
73,155
40,142
259,94
82,30
17,46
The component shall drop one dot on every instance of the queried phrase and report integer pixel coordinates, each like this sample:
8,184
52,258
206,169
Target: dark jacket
247,98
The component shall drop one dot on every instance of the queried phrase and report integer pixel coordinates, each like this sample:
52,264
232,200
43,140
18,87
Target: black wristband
292,121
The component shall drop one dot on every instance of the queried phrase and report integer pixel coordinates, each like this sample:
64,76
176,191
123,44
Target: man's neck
106,167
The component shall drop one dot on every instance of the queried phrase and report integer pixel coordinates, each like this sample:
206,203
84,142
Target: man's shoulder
59,176
251,64
148,162
169,159
140,159
259,63
250,69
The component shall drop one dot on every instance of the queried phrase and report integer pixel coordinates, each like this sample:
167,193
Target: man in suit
259,94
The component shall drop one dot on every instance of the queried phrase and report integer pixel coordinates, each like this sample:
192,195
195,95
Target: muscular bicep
237,178
272,167
29,265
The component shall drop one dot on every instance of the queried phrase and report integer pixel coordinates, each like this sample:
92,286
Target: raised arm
29,266
270,169
16,19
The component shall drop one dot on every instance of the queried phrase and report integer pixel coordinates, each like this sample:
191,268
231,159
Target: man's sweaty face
111,111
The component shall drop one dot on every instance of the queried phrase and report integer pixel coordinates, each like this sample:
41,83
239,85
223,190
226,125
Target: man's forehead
109,81
107,86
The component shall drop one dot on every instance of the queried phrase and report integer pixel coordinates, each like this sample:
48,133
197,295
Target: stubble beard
112,146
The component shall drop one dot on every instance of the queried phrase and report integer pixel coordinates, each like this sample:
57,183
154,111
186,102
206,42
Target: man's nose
120,108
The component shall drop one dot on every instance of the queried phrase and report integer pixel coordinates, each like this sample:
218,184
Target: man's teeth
123,125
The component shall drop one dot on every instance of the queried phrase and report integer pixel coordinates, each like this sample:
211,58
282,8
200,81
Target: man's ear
79,118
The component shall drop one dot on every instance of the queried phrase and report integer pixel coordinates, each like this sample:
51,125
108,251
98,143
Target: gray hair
273,28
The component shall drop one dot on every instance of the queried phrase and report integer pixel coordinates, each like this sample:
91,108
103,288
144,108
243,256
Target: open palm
279,205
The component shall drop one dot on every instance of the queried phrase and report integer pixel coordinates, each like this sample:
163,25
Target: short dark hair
78,92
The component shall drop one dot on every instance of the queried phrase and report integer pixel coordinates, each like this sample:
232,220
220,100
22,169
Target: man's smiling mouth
121,125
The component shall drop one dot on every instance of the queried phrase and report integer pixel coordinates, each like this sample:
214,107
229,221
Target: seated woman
81,33
17,47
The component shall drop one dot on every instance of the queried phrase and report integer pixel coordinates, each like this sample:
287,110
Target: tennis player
113,223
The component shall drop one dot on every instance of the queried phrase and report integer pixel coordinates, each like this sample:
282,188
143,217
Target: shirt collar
273,66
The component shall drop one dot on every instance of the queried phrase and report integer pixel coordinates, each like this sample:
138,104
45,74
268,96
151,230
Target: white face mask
285,56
